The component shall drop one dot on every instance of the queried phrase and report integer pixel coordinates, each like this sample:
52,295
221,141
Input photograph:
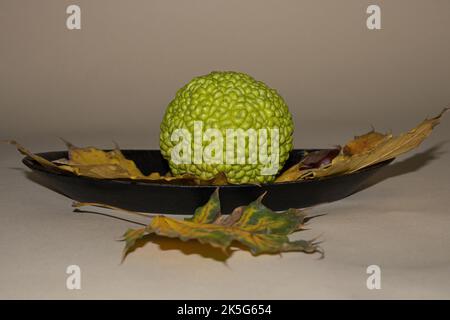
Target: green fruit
227,100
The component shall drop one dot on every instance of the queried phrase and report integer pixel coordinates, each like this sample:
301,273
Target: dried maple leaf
314,159
254,226
95,163
44,162
364,151
363,143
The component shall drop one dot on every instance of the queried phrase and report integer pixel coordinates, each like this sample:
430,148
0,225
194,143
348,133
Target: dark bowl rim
34,165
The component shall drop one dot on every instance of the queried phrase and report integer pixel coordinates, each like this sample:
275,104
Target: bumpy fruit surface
227,100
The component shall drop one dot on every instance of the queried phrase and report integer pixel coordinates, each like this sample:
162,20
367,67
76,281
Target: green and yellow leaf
255,226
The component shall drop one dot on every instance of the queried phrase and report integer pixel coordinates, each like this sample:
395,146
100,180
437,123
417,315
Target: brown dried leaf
44,162
364,143
315,159
373,148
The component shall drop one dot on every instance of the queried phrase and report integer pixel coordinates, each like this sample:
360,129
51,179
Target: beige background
112,79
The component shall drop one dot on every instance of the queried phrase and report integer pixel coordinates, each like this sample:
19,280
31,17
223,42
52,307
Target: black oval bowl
184,199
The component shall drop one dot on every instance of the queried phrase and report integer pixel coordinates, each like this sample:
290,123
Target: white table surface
401,224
